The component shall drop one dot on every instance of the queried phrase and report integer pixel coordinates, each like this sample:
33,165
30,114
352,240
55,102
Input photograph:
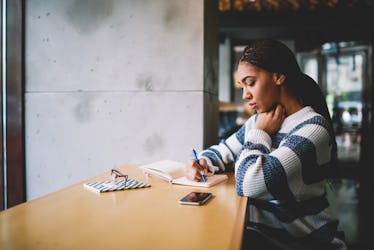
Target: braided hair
275,57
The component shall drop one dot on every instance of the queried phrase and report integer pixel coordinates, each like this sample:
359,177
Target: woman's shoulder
305,114
303,117
312,116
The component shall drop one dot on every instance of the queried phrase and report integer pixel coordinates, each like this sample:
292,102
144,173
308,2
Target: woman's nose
246,94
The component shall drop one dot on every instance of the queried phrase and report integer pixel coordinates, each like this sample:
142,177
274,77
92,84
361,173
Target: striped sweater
283,176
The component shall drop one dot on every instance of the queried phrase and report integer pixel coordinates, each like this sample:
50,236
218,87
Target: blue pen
203,177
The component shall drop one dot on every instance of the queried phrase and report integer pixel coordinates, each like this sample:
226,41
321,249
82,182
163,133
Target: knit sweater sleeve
266,173
221,157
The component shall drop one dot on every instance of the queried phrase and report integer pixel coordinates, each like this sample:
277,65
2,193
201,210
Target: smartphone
196,198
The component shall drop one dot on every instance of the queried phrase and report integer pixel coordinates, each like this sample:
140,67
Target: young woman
282,153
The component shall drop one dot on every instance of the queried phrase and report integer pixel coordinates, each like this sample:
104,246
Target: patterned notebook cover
109,186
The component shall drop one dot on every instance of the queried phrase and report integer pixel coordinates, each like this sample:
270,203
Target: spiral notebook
109,186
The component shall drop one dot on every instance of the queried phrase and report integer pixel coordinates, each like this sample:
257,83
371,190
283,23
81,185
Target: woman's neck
290,103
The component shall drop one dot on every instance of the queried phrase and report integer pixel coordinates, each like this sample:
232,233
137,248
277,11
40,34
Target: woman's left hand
271,121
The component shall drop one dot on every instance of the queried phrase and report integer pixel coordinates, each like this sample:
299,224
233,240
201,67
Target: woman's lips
252,105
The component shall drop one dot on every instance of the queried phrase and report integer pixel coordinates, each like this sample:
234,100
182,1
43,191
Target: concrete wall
116,82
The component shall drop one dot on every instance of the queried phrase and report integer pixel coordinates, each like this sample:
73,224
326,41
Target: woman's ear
280,79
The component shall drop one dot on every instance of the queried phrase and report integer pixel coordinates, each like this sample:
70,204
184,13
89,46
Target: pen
203,177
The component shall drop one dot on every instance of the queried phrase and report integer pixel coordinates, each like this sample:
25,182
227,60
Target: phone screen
195,198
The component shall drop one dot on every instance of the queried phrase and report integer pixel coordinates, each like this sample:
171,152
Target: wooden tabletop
146,218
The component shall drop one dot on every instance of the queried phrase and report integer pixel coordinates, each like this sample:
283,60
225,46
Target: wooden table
147,218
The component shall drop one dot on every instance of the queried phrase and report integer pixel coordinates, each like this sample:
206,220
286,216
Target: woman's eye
250,83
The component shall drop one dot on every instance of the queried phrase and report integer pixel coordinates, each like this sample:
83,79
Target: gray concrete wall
116,82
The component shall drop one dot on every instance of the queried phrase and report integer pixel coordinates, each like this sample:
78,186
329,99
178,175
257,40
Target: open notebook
173,171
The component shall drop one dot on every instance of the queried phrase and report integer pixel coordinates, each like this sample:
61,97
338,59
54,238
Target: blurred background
88,85
333,44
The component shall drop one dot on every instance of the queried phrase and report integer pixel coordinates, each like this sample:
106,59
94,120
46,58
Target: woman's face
261,89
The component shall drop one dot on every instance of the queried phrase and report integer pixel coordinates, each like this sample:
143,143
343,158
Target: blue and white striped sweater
286,169
301,148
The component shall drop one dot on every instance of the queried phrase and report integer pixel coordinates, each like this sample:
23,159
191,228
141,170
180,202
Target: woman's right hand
193,171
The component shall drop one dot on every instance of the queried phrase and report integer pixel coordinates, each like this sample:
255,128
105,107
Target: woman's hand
193,171
271,121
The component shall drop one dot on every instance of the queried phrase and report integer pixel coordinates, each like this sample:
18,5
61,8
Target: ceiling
309,23
289,5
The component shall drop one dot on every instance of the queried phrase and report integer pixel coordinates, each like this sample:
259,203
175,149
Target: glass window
340,69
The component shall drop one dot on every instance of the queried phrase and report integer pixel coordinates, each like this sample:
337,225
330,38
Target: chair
253,239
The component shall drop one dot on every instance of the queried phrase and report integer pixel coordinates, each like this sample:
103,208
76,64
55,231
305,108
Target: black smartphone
196,198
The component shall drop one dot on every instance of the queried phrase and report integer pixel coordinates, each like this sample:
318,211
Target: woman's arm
221,157
278,174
